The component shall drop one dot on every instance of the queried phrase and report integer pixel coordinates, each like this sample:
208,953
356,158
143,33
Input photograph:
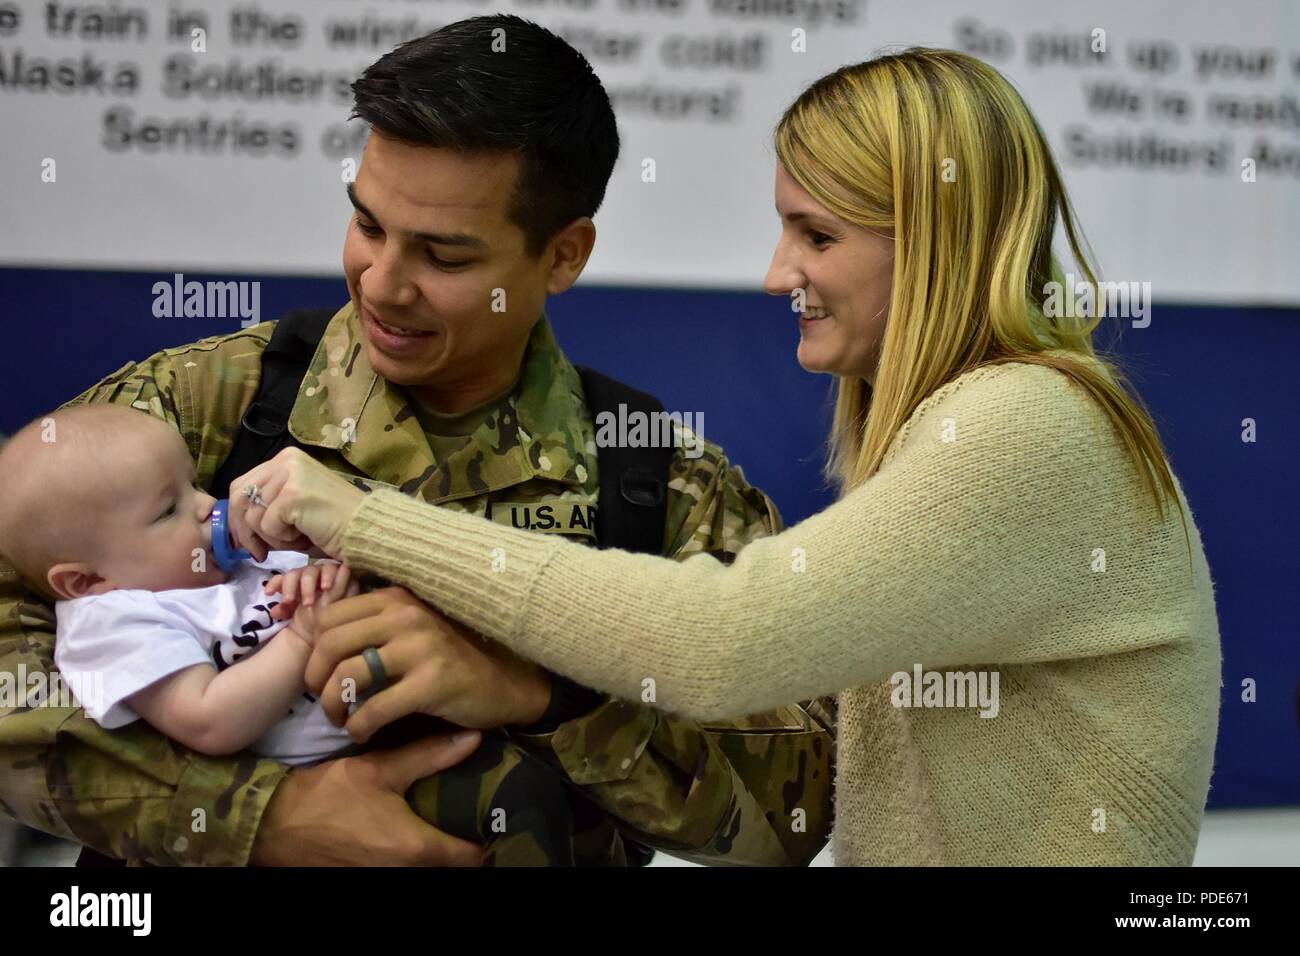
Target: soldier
441,377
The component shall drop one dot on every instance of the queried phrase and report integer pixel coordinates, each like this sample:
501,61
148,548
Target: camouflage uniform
751,791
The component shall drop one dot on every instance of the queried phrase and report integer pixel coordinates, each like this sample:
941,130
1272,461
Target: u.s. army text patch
548,515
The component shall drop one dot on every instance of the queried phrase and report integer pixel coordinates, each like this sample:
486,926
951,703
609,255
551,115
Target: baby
101,515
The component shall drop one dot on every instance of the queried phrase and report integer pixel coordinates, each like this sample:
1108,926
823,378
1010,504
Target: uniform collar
540,430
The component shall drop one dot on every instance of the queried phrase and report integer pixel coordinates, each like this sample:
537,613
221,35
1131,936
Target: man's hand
353,811
434,665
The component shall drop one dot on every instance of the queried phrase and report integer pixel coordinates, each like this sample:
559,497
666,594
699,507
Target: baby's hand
323,581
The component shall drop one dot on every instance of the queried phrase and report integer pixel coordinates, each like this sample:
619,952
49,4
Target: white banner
124,148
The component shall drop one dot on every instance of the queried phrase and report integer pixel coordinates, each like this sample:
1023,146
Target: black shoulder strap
633,503
264,429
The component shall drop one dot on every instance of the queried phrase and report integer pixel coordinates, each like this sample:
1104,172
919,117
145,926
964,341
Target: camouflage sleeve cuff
623,730
213,819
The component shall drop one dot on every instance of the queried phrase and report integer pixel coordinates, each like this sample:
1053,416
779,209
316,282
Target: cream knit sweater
1006,531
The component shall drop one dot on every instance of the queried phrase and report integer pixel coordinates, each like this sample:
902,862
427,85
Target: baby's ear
75,579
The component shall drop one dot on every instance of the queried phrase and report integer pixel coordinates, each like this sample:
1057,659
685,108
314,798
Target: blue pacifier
227,556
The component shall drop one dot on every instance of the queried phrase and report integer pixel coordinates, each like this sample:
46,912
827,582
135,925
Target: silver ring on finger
251,493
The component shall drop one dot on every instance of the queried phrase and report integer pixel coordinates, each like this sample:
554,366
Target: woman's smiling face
846,274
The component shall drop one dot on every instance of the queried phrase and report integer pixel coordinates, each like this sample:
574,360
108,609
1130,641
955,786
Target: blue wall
731,356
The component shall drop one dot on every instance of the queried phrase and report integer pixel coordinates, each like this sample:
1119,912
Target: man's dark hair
539,97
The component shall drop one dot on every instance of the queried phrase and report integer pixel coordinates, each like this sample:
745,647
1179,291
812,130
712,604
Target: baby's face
159,534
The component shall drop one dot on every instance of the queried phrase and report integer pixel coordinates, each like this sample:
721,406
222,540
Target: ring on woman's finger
250,492
378,675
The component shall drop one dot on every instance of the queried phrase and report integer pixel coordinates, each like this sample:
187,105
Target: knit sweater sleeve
972,544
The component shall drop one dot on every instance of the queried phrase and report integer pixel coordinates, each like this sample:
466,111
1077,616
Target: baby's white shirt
121,642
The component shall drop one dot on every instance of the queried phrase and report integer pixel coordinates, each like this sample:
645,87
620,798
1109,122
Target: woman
1007,512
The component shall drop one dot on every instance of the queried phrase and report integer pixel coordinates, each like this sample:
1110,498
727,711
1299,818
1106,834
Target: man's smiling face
430,249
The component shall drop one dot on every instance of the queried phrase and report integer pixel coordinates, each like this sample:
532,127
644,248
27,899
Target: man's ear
568,252
74,579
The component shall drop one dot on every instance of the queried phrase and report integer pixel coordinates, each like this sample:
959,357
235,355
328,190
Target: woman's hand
299,503
434,666
353,811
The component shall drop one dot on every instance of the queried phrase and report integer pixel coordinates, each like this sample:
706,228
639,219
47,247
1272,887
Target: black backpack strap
633,502
264,429
630,515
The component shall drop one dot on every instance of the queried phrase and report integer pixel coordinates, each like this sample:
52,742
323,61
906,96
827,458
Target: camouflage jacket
754,791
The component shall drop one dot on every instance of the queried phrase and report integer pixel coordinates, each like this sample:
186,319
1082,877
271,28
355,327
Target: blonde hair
938,149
